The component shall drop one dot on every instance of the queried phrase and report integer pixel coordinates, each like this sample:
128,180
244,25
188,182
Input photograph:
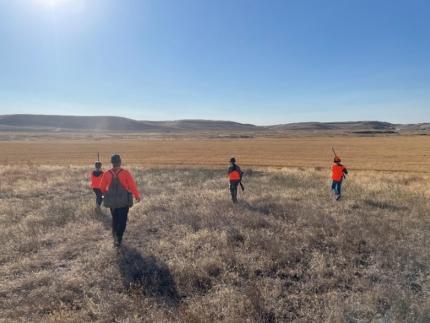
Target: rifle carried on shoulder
334,152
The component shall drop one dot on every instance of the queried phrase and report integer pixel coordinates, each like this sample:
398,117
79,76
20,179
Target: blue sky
263,62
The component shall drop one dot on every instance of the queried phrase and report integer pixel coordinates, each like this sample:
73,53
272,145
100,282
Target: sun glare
52,3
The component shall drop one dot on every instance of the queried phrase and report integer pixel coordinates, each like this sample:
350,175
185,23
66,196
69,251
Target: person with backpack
235,177
119,188
338,173
96,178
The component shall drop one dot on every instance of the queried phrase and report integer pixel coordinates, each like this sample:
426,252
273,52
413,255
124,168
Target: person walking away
119,188
235,177
338,173
96,178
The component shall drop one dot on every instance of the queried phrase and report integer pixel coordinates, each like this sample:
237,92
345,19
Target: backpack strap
115,174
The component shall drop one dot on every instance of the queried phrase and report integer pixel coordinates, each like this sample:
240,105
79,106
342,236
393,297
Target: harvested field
286,252
384,153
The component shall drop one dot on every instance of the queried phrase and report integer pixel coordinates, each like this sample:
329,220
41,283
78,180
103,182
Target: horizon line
211,120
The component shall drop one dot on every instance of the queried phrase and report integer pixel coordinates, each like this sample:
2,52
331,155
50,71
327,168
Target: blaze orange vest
337,172
234,176
96,180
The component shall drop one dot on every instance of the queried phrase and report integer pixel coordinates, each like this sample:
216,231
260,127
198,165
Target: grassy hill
286,252
58,123
358,126
113,124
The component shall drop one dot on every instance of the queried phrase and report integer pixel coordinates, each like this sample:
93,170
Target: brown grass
286,252
393,153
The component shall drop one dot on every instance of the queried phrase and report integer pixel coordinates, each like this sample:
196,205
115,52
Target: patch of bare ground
286,252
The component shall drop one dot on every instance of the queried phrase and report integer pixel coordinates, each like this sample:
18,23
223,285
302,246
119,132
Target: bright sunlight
52,3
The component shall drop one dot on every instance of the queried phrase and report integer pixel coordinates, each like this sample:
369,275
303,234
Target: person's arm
105,182
240,172
344,172
132,186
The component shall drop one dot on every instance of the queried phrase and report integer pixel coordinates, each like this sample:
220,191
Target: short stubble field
389,153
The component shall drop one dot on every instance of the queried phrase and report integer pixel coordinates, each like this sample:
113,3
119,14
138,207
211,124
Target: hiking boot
337,197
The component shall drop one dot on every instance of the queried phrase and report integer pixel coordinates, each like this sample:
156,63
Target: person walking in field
96,178
235,177
338,173
119,188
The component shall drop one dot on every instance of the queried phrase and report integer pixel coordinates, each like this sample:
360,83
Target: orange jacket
96,178
337,172
125,179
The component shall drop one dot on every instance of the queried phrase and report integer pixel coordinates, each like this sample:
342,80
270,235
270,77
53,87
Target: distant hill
114,124
207,125
415,128
355,126
58,123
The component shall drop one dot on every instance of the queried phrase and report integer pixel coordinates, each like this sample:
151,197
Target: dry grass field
286,252
393,153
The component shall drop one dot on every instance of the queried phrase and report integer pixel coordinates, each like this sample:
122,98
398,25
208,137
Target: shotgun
334,152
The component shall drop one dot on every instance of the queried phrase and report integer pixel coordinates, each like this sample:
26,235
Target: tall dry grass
286,252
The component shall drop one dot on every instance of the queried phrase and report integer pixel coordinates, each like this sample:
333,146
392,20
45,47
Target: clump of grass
286,252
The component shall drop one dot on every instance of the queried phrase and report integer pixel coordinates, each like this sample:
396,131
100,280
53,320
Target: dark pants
99,196
336,187
119,222
233,190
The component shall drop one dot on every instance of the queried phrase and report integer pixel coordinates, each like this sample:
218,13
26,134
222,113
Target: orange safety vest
337,172
234,176
96,180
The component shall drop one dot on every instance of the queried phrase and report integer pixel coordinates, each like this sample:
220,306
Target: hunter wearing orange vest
96,178
119,188
338,173
235,177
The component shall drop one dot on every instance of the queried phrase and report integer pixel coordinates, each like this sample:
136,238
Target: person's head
233,160
98,165
337,159
116,160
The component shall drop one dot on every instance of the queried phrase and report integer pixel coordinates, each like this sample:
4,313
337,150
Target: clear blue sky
258,61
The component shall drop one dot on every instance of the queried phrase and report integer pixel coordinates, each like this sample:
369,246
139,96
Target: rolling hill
339,126
59,123
113,124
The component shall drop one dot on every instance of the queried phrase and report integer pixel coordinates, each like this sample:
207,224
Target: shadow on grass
146,275
384,205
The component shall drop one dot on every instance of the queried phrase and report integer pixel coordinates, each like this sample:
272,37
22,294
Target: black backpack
117,196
